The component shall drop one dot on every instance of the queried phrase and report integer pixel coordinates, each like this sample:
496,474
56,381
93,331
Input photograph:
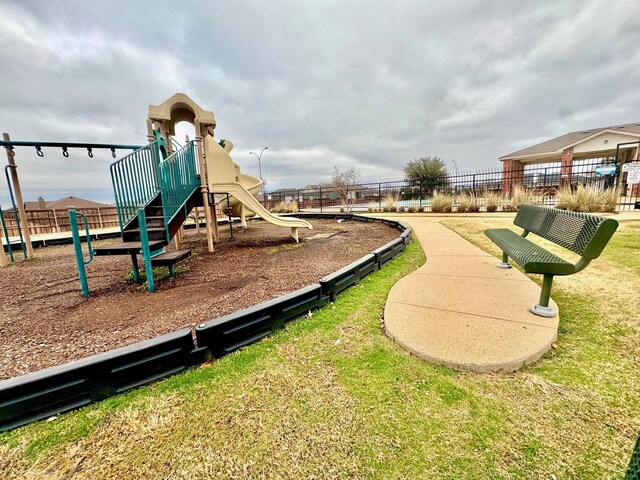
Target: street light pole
454,164
259,157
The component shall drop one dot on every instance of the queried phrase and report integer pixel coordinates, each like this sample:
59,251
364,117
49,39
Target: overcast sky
366,84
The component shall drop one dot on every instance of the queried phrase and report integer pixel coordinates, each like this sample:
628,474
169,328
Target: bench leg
542,307
505,261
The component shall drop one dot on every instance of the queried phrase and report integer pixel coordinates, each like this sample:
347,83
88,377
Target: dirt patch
45,321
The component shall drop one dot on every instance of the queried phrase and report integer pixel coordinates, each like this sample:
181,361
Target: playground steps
155,221
168,259
154,210
128,248
154,233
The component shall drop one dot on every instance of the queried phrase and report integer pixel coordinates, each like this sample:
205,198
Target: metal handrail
178,180
88,235
5,232
77,246
135,181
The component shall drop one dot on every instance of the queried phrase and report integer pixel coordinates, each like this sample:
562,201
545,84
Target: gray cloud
365,84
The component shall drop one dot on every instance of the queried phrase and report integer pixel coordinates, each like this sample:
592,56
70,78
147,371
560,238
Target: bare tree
344,183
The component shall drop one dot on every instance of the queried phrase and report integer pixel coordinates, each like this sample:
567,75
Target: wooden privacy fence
56,221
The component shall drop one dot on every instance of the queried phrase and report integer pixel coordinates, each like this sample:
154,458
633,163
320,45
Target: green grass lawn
332,397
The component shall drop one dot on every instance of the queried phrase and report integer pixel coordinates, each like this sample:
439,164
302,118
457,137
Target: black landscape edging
388,252
226,334
348,276
65,387
54,390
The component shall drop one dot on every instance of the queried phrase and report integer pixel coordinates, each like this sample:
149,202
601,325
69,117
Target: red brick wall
635,188
566,167
512,175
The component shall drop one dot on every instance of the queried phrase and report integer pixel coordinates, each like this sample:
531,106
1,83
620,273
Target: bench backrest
585,234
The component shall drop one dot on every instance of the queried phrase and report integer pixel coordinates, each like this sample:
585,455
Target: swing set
15,192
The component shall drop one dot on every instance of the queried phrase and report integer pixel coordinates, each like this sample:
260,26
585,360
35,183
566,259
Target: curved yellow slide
253,186
224,176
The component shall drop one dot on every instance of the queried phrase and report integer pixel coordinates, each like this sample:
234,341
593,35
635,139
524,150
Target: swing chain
39,151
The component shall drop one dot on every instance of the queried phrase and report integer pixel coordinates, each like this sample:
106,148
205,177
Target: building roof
317,186
558,144
63,203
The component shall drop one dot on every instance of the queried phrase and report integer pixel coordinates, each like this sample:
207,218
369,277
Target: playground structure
157,186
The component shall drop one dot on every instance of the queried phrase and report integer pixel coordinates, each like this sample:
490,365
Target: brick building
566,149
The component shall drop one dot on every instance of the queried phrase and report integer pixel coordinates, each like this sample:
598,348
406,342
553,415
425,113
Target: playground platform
42,239
461,311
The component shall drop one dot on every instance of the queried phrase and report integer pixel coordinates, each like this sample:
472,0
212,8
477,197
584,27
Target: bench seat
581,233
531,257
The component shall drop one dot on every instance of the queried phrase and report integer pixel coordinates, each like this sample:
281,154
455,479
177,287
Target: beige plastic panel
224,176
220,166
178,108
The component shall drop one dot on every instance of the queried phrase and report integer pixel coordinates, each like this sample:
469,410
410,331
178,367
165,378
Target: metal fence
541,179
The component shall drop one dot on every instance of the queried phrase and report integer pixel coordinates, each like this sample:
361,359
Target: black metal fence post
347,205
320,199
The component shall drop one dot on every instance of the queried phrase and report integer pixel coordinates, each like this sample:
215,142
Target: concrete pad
460,310
443,247
466,342
485,267
503,299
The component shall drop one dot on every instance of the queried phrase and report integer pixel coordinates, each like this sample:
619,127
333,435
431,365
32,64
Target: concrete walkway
461,311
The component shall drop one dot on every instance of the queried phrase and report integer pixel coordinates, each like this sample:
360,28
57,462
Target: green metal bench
584,234
633,472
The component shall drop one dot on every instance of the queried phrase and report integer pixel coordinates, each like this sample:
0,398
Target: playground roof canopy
587,143
180,108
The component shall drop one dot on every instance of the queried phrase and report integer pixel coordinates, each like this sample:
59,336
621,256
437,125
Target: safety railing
77,247
135,181
178,180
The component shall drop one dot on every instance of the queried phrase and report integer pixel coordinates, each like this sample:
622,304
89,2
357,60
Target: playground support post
18,192
214,216
201,135
3,258
146,251
4,262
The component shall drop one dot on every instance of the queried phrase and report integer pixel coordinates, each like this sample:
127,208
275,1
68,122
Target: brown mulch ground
45,321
